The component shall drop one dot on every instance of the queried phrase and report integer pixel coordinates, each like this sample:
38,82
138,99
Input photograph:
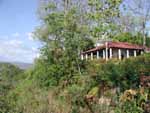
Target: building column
128,53
110,50
86,56
119,54
97,54
106,51
142,52
82,57
135,53
91,56
103,54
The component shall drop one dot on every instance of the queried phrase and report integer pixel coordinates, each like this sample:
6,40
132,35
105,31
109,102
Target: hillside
103,87
21,65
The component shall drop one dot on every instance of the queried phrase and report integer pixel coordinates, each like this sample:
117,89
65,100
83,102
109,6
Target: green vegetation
10,76
60,82
42,90
131,38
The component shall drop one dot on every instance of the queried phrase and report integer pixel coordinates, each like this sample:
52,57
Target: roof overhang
118,45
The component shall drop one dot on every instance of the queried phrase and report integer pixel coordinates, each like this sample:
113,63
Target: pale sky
18,19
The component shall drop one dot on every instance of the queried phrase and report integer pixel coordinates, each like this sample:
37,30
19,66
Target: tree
102,15
127,23
140,9
129,37
9,76
65,34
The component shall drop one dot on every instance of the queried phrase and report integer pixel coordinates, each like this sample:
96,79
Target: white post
135,53
82,57
86,56
110,50
91,56
142,52
106,51
103,54
119,53
97,54
128,53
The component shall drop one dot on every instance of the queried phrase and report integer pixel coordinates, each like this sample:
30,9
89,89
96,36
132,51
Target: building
110,49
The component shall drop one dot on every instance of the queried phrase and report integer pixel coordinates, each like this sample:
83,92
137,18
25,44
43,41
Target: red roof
95,49
122,45
147,49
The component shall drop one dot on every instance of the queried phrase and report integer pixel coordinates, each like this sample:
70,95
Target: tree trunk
144,36
88,105
66,5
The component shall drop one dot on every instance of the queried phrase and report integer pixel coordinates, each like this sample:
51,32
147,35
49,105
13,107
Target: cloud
16,35
14,43
37,55
30,36
34,49
14,49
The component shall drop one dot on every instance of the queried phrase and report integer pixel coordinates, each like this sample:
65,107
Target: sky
18,19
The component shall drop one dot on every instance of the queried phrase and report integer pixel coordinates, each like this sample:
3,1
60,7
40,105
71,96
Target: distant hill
21,65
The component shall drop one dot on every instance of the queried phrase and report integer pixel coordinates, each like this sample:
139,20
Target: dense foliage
9,77
41,91
131,38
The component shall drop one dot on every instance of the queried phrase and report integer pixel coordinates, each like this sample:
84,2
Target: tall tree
140,9
102,15
65,34
66,29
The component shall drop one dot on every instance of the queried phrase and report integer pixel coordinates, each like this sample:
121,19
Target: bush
48,88
124,74
9,77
